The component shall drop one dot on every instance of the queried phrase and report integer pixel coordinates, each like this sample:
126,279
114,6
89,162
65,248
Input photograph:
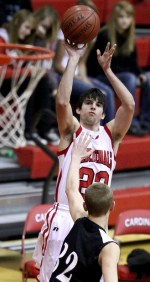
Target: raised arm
75,199
120,125
67,123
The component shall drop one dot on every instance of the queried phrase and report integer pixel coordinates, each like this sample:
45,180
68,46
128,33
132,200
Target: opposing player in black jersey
88,254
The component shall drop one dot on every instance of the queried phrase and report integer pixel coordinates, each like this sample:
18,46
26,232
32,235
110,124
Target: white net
12,102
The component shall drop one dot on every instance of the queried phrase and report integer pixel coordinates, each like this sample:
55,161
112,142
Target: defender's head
99,199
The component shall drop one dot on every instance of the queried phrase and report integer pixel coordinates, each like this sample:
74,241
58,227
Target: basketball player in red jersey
96,168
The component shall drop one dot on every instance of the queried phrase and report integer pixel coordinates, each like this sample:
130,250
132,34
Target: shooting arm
66,121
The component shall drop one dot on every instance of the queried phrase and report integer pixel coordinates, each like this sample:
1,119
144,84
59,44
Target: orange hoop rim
45,54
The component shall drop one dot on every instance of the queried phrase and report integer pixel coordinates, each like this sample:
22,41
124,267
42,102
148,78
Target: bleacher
134,152
142,8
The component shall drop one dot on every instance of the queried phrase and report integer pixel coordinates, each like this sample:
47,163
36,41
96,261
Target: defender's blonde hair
98,199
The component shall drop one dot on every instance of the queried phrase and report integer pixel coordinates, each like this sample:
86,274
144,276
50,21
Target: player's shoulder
110,248
110,253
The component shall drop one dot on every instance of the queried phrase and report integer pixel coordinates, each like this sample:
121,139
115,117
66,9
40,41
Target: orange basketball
80,24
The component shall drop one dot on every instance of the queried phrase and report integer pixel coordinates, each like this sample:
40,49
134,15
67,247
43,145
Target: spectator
19,29
47,24
121,29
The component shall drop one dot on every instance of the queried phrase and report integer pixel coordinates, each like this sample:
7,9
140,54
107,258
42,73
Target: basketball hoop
20,63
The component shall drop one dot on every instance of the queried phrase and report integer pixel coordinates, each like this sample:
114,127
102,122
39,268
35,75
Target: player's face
124,21
24,30
91,112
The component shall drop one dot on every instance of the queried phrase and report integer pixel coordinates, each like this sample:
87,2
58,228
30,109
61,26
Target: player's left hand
105,59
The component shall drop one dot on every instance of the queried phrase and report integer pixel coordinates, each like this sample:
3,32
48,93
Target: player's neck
101,221
94,127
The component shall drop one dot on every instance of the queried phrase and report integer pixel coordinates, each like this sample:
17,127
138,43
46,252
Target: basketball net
20,63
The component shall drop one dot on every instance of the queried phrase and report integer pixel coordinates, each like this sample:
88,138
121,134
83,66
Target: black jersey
78,259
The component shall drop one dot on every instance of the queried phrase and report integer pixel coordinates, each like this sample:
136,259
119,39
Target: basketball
80,24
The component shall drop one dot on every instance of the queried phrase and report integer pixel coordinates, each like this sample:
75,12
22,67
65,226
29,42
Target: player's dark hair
98,199
95,94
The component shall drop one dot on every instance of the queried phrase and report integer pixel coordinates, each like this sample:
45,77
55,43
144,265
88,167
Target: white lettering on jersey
71,262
